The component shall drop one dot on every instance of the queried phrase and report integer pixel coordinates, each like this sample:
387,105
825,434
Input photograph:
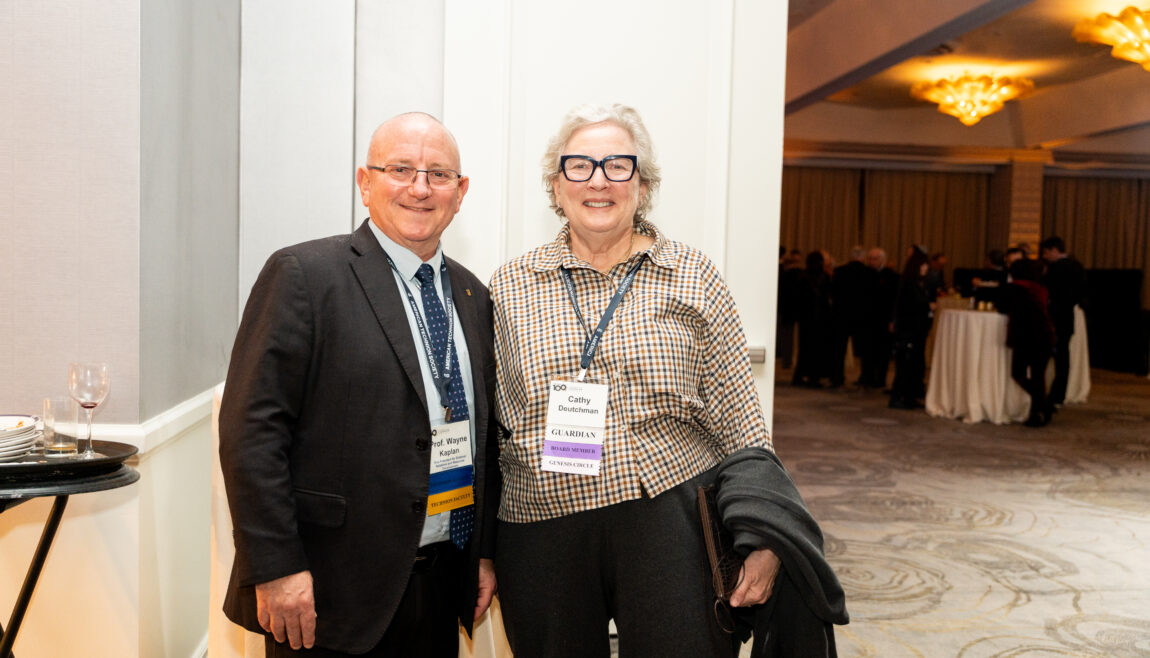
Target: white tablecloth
970,370
226,640
1078,384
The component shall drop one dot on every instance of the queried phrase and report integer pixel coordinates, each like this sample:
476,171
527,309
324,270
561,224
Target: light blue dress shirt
435,528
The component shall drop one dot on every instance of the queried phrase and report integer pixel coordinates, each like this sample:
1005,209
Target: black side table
60,477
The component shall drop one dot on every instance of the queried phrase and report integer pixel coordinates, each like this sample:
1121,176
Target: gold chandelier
968,98
1127,32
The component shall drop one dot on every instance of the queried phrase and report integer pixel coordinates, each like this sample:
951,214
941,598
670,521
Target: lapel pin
468,291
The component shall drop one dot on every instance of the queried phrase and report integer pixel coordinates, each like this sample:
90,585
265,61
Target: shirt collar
557,253
405,260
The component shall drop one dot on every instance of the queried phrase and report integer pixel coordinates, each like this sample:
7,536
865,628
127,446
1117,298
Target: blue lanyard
591,345
441,378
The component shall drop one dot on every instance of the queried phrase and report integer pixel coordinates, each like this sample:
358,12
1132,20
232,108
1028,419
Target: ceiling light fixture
968,98
1127,32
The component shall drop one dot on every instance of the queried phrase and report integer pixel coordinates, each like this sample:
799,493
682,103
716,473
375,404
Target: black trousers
641,563
1061,369
425,625
1029,370
909,368
854,332
785,343
876,362
813,362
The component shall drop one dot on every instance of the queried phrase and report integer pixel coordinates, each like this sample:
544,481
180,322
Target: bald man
356,431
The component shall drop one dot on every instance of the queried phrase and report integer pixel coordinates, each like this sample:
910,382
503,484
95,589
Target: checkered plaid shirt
682,395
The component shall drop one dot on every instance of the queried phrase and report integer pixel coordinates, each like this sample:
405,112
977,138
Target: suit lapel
375,277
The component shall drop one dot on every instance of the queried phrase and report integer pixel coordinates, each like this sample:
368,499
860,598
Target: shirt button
417,507
421,444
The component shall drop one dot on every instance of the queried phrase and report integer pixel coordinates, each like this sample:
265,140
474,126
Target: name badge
576,425
452,469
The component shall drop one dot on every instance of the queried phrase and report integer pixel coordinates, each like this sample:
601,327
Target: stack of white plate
18,436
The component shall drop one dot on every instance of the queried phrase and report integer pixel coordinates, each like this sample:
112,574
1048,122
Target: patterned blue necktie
463,518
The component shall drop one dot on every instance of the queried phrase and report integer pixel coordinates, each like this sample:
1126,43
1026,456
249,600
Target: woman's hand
757,579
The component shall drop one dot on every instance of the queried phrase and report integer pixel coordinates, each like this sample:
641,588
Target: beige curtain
944,211
1104,221
820,210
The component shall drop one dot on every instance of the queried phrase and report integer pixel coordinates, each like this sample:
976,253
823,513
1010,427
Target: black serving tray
38,467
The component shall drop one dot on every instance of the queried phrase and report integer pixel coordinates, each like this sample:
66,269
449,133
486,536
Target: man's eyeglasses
405,175
617,168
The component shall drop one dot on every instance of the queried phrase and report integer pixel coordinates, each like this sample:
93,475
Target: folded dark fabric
761,506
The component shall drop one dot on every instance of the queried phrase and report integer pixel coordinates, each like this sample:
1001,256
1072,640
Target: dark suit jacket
881,313
852,292
1066,280
324,436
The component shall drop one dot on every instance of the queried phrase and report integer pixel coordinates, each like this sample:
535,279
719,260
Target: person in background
627,346
829,262
991,279
912,318
1029,334
789,300
993,272
1010,256
1066,280
878,319
935,281
357,530
814,324
852,295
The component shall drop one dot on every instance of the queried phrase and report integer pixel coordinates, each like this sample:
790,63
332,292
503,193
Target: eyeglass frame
598,164
426,172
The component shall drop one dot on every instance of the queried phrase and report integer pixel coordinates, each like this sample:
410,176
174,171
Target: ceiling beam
851,40
1094,107
799,151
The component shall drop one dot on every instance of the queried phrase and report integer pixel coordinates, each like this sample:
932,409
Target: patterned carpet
979,540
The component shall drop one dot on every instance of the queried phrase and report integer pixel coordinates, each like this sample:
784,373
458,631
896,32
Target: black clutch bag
725,564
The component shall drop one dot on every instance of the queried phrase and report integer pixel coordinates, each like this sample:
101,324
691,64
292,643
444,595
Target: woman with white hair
623,380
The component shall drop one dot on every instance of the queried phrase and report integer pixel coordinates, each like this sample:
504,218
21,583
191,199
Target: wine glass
88,386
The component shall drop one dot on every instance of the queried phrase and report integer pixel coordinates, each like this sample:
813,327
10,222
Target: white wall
174,519
506,82
90,578
69,219
297,166
128,569
398,67
189,196
69,198
754,185
707,79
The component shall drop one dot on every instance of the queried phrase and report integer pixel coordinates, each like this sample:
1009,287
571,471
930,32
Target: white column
755,182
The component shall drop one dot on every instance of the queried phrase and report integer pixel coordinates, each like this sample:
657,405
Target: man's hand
487,586
757,579
286,609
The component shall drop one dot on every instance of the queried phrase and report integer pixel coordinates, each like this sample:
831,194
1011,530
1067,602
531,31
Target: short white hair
626,118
